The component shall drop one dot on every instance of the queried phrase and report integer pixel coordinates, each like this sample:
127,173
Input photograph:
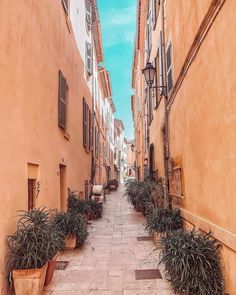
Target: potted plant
73,228
28,256
42,218
192,262
162,220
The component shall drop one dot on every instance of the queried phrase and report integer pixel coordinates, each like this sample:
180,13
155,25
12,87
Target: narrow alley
106,264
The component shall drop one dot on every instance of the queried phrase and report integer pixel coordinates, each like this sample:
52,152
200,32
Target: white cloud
119,26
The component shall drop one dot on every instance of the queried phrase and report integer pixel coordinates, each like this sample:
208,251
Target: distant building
119,156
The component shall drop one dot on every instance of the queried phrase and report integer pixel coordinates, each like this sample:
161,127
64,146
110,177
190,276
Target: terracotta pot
70,242
29,281
156,238
50,270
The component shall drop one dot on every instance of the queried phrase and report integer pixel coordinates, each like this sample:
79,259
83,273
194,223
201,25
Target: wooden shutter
89,62
84,123
62,101
88,8
161,67
90,130
154,13
65,4
169,69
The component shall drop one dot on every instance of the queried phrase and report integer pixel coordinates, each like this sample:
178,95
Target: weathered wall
33,49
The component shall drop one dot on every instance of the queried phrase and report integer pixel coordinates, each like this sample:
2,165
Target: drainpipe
166,133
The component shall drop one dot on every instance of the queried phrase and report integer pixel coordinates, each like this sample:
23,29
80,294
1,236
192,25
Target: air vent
147,274
61,265
139,239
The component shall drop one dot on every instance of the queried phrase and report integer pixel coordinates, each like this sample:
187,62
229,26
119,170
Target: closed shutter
90,130
169,69
84,123
154,13
88,8
62,101
89,62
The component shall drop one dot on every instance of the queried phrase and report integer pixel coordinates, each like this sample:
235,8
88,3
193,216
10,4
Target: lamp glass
149,73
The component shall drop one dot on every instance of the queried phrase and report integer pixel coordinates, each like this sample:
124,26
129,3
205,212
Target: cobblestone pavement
106,264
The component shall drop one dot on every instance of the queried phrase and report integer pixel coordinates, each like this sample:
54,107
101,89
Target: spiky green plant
192,262
164,220
71,223
35,241
88,207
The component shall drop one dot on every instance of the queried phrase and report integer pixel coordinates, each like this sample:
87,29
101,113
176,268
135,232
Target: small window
169,69
88,9
88,58
65,4
62,101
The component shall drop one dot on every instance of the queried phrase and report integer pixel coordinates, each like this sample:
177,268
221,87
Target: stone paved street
106,264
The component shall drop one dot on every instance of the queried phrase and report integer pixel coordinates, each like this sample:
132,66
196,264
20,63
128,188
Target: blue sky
118,21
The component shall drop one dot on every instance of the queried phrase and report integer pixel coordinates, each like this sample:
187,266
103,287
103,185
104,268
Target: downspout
166,133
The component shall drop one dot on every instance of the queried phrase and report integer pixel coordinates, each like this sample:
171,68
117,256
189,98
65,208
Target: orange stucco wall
202,125
202,120
33,49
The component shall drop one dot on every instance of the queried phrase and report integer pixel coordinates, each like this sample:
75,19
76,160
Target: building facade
185,122
53,109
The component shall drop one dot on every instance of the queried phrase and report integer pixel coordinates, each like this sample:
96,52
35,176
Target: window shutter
154,13
169,69
155,90
62,101
84,123
65,4
161,61
88,8
90,130
89,62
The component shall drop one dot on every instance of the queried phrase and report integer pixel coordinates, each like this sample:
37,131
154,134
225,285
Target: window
62,101
169,69
148,37
87,127
88,10
155,93
88,58
155,11
65,4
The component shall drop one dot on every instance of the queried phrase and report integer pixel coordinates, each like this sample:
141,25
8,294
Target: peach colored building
48,72
185,130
